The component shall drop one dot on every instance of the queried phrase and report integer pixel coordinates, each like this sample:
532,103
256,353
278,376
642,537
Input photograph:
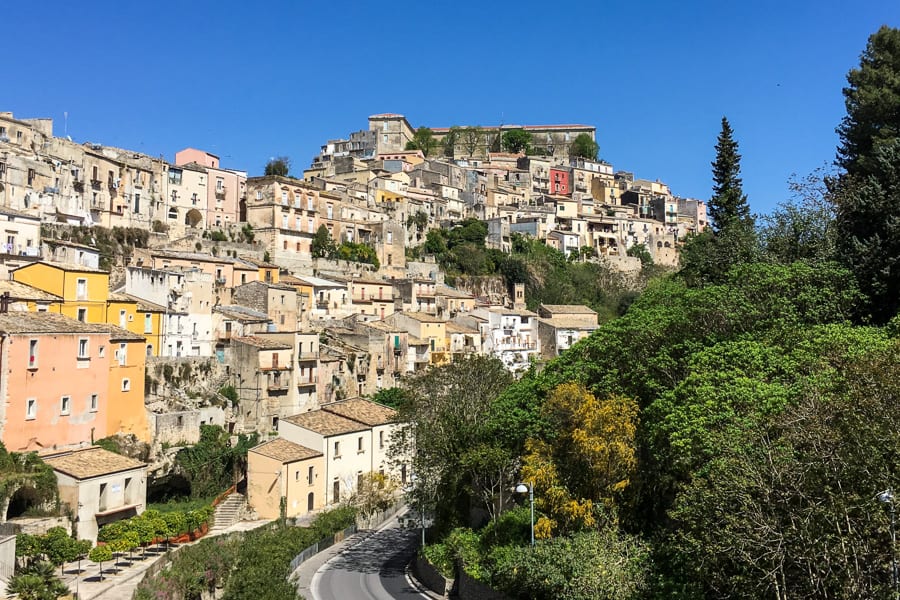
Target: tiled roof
47,322
66,267
571,309
362,410
259,263
242,313
565,322
18,213
453,327
22,291
423,317
285,451
444,290
262,342
325,423
92,462
146,305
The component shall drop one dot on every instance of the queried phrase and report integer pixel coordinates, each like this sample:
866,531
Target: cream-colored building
280,471
99,486
352,434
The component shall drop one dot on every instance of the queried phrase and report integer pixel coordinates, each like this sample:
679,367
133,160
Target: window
390,237
381,440
259,194
310,475
148,323
220,184
174,176
284,198
102,351
337,450
122,354
81,289
82,314
32,354
65,405
31,408
297,475
122,319
359,445
83,351
126,385
92,403
359,480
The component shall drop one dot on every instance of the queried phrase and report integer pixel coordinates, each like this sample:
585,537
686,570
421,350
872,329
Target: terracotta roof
242,313
66,267
47,322
92,462
18,213
261,342
119,297
453,327
22,291
362,410
445,290
566,322
259,263
422,317
571,309
285,451
325,423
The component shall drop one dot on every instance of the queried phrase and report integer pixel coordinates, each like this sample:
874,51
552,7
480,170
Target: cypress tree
728,206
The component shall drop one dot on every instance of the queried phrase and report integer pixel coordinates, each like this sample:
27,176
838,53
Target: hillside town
135,290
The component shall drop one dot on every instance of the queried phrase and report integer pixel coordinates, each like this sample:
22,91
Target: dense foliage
261,558
213,464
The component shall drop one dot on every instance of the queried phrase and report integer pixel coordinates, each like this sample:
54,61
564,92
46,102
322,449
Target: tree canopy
424,140
584,146
280,165
517,141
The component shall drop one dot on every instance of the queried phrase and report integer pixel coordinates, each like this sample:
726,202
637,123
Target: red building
559,182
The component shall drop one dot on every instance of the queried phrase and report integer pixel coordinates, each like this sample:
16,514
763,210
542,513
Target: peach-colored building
54,384
224,190
280,470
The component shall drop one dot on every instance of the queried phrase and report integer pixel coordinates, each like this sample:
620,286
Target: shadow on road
386,554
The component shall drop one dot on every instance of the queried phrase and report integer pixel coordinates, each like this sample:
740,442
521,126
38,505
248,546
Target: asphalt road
373,569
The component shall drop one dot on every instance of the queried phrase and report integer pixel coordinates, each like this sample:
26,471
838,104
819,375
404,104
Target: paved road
373,569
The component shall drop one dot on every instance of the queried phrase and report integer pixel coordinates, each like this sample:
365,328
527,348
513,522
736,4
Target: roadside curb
418,585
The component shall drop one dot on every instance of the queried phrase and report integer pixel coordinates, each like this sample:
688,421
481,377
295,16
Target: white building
510,334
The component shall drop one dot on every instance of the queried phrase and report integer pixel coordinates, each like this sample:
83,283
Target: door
310,502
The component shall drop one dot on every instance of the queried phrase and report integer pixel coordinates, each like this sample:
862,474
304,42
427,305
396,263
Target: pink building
54,381
225,188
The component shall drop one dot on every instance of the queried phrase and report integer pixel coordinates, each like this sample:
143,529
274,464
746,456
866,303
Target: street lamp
887,496
413,479
521,489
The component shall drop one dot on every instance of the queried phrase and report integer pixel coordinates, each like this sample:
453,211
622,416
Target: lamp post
521,489
413,478
887,496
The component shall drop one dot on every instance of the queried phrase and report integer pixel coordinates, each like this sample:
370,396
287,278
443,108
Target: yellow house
125,395
280,472
138,316
268,272
83,290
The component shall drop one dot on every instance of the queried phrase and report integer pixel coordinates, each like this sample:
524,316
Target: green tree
424,140
872,99
707,256
728,206
472,138
393,397
323,245
517,141
100,555
213,464
869,189
446,414
280,165
802,228
640,251
450,141
584,146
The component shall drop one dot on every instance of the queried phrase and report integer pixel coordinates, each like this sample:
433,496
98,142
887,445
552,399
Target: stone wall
428,576
469,589
491,286
183,378
179,428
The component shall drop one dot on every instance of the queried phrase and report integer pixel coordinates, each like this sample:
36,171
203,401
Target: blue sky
248,81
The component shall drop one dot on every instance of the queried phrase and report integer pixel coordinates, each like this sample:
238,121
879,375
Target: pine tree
728,206
867,194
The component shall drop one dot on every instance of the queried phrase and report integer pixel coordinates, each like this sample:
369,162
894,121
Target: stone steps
228,512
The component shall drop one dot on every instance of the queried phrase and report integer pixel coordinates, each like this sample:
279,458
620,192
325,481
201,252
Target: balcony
307,356
220,192
221,281
277,386
308,382
224,335
96,183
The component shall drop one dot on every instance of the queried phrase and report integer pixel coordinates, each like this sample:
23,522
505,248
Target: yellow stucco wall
126,413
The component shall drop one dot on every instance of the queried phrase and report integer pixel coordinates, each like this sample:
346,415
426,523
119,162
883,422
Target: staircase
228,512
